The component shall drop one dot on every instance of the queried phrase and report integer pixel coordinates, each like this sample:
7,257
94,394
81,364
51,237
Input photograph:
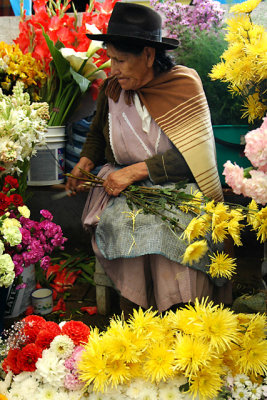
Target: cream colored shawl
177,102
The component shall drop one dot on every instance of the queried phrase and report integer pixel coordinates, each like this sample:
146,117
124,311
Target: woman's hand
72,184
119,180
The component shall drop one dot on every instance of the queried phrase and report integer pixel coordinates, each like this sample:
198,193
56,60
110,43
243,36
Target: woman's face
133,71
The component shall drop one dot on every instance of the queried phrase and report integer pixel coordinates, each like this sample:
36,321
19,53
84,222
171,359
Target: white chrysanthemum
142,390
169,391
46,392
12,235
27,384
51,368
62,346
256,392
15,394
24,211
114,393
64,395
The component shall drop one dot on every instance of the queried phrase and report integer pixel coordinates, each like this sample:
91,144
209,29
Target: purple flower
45,261
46,214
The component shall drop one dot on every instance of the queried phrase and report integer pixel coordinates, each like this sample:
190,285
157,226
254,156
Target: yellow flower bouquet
243,64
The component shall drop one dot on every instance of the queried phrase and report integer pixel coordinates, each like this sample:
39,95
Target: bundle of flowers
40,359
23,241
22,127
251,182
16,66
211,221
182,21
208,352
80,64
243,64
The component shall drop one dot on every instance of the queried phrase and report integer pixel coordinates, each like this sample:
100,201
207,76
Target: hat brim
166,43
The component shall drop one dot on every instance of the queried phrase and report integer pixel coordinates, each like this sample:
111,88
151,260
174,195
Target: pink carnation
234,177
256,187
256,147
72,382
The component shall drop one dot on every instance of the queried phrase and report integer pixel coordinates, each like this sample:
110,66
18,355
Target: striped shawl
177,102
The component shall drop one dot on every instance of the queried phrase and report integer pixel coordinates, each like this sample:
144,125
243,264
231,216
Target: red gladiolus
60,306
77,331
28,356
63,278
89,310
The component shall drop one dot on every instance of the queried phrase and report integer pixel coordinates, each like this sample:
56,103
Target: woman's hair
163,62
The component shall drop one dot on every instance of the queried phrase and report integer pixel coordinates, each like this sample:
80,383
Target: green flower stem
64,100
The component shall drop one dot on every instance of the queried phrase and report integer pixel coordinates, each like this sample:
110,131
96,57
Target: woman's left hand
119,180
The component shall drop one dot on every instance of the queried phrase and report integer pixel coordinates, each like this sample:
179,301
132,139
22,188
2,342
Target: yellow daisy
222,265
195,251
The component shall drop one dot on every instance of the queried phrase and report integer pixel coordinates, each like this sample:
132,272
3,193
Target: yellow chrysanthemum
144,322
245,7
256,327
210,207
194,229
253,108
220,214
251,215
195,251
191,354
206,384
222,265
234,228
253,356
159,363
118,372
219,232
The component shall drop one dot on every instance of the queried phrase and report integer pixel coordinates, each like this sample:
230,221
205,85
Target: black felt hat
139,24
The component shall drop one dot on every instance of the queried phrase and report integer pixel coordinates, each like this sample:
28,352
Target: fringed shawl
177,102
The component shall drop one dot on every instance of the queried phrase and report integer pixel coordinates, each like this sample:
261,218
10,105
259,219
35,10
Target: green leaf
80,80
61,64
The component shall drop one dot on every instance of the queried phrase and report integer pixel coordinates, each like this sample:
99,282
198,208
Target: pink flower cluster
39,239
254,186
180,19
72,381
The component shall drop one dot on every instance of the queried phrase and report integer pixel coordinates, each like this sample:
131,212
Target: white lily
95,45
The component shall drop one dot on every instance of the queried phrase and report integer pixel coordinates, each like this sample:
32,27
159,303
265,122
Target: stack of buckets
47,167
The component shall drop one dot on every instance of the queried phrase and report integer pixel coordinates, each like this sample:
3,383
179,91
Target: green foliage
201,53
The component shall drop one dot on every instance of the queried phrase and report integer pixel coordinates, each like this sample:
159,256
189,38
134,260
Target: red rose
10,183
28,357
16,199
10,362
33,325
4,203
77,331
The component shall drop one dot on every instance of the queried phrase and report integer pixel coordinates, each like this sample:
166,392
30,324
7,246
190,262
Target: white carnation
12,235
51,368
7,273
24,211
2,247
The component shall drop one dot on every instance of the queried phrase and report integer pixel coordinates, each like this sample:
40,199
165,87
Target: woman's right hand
73,185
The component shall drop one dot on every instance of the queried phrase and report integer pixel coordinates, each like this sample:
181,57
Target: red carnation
28,357
10,362
10,183
16,199
53,326
45,337
4,203
77,331
33,325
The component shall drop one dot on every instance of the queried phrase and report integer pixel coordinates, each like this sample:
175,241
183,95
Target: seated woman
152,124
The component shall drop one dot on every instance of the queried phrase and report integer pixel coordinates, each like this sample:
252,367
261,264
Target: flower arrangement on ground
16,66
72,61
40,359
22,127
243,63
208,352
23,241
251,182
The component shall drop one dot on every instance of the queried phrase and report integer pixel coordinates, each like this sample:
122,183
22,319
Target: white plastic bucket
48,166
